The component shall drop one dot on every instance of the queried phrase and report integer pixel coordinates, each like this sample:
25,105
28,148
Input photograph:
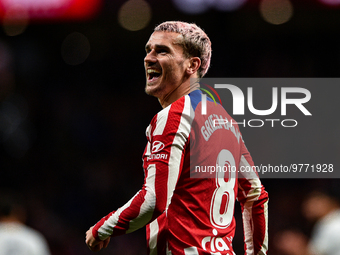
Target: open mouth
153,74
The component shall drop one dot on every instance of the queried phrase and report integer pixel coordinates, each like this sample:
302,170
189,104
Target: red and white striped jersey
185,203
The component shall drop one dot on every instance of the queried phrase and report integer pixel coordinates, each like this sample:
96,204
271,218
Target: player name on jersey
215,122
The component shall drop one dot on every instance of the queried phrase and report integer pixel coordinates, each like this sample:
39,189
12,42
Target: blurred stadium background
73,111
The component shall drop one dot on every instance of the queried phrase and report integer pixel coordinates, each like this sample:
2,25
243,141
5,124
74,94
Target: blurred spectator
324,209
292,242
321,208
15,237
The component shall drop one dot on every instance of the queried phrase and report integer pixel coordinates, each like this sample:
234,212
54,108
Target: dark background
72,135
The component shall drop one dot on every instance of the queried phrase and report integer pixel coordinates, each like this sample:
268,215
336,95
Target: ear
194,64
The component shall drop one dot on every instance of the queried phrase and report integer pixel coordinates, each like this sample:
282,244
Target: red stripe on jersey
148,234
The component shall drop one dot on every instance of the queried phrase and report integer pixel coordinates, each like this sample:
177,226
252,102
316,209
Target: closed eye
162,50
159,49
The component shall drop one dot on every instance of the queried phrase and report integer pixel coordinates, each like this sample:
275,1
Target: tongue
154,75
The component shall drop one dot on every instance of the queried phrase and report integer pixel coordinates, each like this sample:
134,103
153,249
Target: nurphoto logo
295,96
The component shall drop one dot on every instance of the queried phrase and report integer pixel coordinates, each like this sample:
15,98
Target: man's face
165,64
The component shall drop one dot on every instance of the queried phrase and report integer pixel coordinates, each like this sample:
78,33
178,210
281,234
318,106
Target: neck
183,89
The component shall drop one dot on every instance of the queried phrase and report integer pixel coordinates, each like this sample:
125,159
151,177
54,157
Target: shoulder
172,117
22,232
33,234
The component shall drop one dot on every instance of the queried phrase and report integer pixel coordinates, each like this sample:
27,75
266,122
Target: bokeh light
330,2
31,4
201,6
75,48
276,12
134,15
192,6
229,5
15,20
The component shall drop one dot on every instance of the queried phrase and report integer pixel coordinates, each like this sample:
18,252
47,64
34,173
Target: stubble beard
153,90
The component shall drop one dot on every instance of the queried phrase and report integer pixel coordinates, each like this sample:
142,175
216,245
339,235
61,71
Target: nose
150,57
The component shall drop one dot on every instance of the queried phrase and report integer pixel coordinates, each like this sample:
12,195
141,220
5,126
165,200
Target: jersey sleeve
167,136
254,204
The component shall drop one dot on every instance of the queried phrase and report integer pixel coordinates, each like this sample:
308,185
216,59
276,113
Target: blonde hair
195,42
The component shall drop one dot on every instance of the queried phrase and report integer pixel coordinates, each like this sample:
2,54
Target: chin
154,90
151,91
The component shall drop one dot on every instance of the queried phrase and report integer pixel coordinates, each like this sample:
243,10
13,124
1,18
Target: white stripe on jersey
252,177
160,125
148,206
253,195
153,237
248,227
176,152
110,223
148,150
248,172
147,132
191,251
194,251
264,246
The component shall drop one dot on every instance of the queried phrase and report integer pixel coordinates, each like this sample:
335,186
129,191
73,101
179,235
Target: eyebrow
157,46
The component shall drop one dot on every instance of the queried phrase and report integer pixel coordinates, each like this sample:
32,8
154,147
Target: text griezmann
215,122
